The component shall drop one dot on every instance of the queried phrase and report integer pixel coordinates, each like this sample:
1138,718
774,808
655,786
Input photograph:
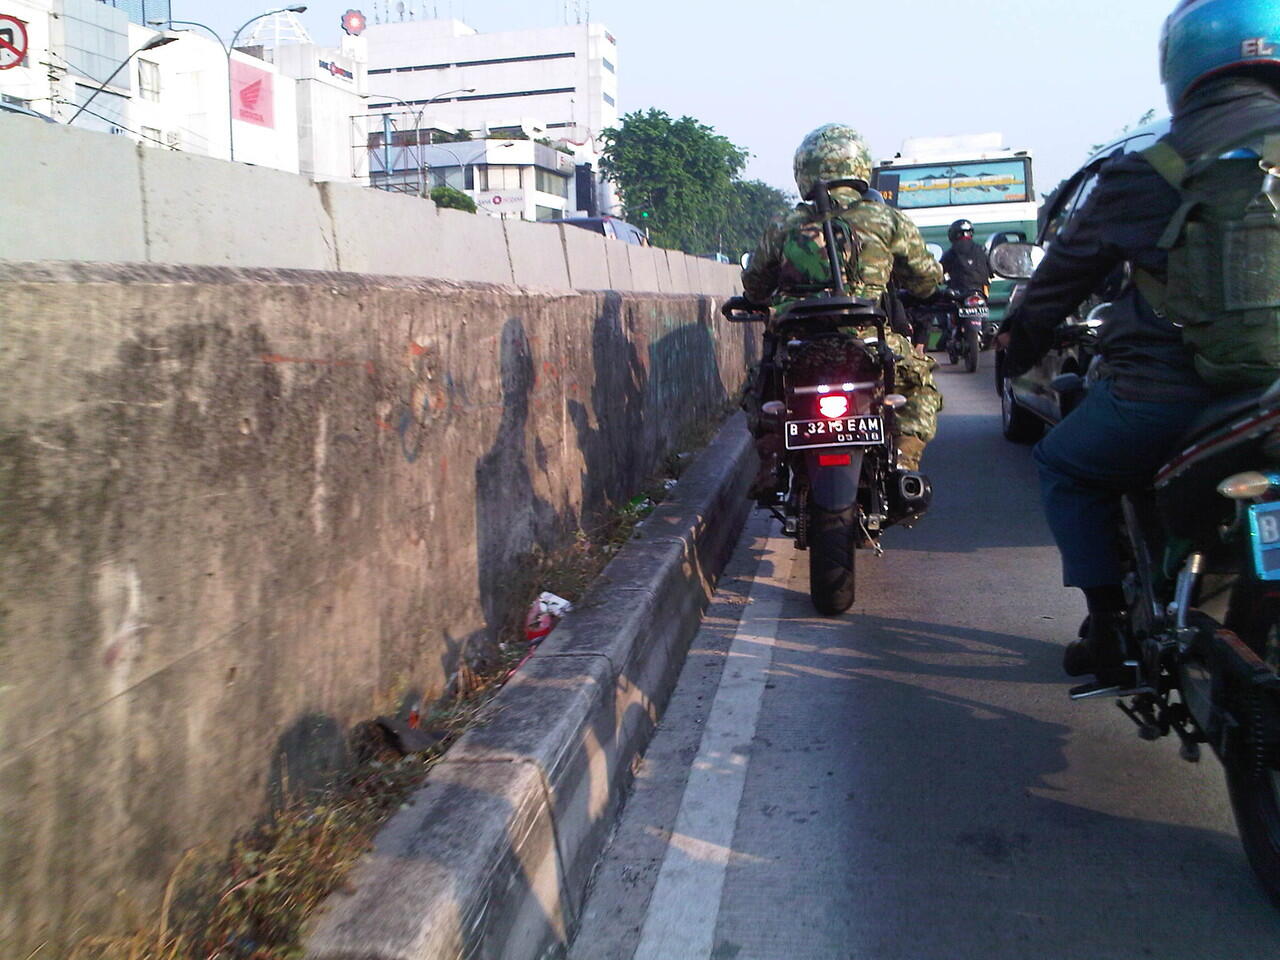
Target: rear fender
834,488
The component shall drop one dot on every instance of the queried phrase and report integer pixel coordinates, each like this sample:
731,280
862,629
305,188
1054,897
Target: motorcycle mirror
935,250
1016,261
745,261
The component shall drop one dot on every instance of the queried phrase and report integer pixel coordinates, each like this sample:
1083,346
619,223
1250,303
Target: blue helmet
1205,37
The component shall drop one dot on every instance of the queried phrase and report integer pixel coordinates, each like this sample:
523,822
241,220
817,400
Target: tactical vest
805,270
1223,285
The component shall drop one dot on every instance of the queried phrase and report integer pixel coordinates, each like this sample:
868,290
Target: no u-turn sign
13,42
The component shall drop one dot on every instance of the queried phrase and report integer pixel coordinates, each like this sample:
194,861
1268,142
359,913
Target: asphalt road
910,781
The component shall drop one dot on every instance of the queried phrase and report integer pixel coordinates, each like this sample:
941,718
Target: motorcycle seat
1220,413
844,306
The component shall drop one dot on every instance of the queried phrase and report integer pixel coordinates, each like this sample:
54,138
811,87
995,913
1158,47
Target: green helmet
832,152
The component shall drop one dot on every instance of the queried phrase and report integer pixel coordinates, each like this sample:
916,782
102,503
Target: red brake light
973,302
834,459
833,406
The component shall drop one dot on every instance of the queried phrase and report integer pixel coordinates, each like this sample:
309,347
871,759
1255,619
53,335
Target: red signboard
252,95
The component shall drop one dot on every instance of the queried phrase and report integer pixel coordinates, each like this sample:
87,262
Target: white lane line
681,920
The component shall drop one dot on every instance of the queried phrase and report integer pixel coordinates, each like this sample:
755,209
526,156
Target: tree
1142,122
754,203
446,196
675,177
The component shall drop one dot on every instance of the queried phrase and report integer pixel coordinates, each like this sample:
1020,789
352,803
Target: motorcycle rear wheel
972,349
1253,784
1255,798
832,580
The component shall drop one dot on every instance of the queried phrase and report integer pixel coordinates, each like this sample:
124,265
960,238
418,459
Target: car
611,227
1039,399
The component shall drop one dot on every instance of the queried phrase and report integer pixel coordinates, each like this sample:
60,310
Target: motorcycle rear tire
1255,798
1254,792
832,580
972,349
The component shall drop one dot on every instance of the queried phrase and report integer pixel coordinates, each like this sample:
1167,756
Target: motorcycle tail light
834,459
833,406
973,302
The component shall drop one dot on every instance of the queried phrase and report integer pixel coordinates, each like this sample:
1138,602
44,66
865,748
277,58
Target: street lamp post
417,135
151,44
229,50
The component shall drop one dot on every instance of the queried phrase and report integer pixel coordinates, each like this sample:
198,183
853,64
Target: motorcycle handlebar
742,310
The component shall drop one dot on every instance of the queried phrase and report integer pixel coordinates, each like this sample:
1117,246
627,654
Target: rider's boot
910,450
1101,649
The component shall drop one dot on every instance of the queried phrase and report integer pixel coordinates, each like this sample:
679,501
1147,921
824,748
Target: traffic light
644,214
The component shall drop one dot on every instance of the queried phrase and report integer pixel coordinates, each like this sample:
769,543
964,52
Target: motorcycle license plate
849,432
968,312
1264,531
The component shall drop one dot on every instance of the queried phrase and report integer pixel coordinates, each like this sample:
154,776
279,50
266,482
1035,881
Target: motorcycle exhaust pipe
914,487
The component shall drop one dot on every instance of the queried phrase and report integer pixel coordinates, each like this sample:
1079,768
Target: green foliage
555,145
461,135
753,204
446,196
675,177
1142,121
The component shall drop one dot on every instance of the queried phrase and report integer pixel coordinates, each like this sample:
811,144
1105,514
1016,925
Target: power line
117,123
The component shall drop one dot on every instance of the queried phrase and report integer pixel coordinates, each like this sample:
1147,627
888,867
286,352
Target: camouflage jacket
889,243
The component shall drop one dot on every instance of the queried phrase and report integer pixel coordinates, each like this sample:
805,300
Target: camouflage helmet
832,152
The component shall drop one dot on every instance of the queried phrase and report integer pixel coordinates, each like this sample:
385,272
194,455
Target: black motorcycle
1201,547
971,329
827,398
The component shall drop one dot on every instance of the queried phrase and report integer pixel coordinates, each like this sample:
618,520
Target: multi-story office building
558,85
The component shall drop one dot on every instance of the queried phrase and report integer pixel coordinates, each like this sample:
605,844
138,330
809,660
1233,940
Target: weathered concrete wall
244,510
86,196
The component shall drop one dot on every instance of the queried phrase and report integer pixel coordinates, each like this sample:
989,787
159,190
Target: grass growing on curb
254,903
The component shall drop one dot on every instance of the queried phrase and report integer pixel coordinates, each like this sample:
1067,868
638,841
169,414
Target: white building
179,96
558,85
329,86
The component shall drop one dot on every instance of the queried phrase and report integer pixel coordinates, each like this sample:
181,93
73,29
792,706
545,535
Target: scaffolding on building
276,30
389,152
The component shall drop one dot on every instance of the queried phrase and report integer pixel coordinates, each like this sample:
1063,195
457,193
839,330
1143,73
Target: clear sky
1054,76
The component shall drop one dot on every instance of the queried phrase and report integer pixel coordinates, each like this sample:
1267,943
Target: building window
499,177
451,177
152,137
149,80
547,213
607,65
609,100
547,182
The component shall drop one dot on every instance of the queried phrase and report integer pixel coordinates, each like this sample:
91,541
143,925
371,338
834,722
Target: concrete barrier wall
84,196
245,509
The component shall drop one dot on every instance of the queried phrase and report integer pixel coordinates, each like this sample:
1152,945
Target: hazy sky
1054,77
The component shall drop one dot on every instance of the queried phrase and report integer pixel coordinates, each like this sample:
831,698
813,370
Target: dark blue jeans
1104,447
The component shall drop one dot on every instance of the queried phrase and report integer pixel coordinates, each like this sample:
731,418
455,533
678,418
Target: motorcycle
1201,549
972,330
827,398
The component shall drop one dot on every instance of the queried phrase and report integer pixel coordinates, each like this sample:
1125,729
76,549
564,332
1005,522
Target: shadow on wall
641,410
511,519
308,756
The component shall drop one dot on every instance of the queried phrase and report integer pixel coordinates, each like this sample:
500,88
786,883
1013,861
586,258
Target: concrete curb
493,857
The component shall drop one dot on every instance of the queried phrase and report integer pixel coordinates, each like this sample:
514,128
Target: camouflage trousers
914,380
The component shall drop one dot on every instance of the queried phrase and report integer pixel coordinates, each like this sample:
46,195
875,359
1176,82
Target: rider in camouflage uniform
889,242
